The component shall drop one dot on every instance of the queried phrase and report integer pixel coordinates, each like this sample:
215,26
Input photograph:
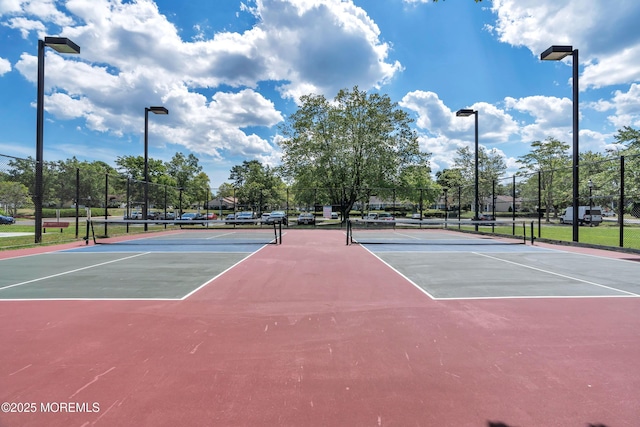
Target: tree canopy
357,143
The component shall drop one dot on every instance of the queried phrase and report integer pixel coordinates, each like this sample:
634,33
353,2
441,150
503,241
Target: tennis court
317,332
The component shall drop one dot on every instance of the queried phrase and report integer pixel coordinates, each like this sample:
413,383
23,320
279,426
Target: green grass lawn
51,237
606,234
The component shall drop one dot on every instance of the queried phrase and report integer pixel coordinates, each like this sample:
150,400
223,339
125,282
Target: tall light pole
154,110
557,53
466,113
61,45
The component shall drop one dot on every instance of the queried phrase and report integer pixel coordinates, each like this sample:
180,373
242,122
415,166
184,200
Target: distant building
224,203
503,204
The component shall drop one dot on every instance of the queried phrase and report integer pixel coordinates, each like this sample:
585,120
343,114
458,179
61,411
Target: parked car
386,216
306,218
134,215
277,217
334,215
245,218
211,216
168,215
265,217
230,219
4,219
191,216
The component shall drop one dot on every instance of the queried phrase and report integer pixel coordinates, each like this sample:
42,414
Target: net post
86,237
533,237
280,232
348,230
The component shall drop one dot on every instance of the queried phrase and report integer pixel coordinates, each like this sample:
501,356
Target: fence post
459,206
106,200
446,206
77,202
513,216
621,203
127,210
540,205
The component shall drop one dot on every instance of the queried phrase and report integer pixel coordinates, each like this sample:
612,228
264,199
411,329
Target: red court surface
317,333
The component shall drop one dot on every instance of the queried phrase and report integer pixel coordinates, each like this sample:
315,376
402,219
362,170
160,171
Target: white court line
71,271
558,274
208,282
629,294
399,273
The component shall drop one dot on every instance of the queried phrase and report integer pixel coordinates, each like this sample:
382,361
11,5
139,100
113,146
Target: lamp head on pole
61,44
158,110
465,112
556,53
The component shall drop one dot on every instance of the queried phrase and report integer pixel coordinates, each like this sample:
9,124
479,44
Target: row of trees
338,152
100,184
599,173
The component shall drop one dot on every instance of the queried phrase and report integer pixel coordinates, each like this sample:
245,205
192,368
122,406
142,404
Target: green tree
183,171
225,190
450,180
629,136
552,160
258,187
356,143
13,195
491,166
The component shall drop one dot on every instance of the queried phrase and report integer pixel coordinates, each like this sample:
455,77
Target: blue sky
230,71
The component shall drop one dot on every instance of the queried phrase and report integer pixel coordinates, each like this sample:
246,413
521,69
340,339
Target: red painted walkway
315,333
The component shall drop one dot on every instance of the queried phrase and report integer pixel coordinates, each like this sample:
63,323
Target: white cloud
442,132
5,66
627,107
552,117
494,126
26,26
606,36
132,56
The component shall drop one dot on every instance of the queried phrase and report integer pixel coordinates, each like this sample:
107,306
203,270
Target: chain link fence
608,188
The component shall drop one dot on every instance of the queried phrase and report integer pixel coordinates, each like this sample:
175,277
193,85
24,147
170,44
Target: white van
586,215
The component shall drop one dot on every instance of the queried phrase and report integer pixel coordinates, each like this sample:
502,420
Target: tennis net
171,232
436,232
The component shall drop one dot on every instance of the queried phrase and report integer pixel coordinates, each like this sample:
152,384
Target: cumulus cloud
5,66
441,132
606,36
133,57
626,106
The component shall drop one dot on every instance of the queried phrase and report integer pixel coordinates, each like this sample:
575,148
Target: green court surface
145,275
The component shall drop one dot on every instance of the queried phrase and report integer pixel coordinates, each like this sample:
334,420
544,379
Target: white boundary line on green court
558,274
209,281
220,274
628,294
71,271
399,273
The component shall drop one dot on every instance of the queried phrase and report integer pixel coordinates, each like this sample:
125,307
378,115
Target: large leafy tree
552,160
13,195
491,166
258,187
350,146
629,136
186,173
